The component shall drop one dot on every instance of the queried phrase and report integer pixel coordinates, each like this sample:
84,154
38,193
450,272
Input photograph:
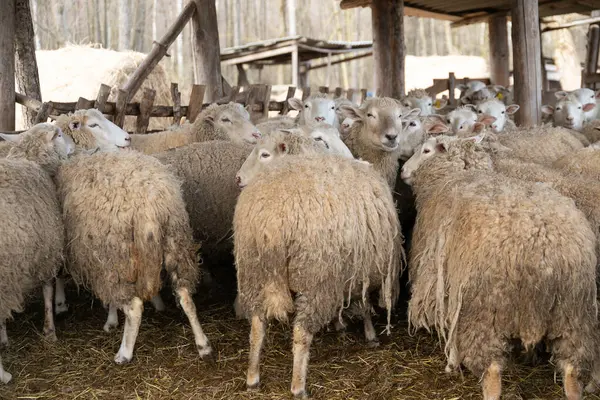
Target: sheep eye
448,121
370,115
479,112
407,105
265,155
306,106
333,108
429,104
426,151
413,123
579,108
557,108
503,112
225,120
93,125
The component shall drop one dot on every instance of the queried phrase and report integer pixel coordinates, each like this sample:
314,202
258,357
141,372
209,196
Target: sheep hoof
372,344
254,387
302,395
51,336
61,308
591,388
121,359
109,327
206,353
5,377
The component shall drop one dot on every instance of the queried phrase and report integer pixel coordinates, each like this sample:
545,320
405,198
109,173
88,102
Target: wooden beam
142,121
258,56
408,11
159,50
7,65
584,21
342,60
102,97
388,46
527,64
475,19
196,99
591,57
498,34
295,66
206,49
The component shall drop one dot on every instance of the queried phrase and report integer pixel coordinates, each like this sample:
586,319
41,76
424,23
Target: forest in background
135,24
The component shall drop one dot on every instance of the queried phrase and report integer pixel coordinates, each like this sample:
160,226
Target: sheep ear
597,94
477,139
486,119
354,113
438,104
549,110
295,103
437,129
11,138
513,108
412,114
461,87
437,117
588,107
560,94
441,148
50,135
288,131
478,127
210,119
75,125
471,106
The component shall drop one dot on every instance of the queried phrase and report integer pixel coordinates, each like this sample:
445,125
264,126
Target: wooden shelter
388,35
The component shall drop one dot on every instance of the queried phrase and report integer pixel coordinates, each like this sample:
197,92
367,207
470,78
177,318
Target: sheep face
234,121
462,119
330,137
467,91
498,110
382,122
426,104
413,134
569,112
89,128
345,126
314,110
585,96
44,138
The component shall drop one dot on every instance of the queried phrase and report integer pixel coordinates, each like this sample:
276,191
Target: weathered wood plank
102,97
207,56
44,112
196,99
7,65
142,121
388,46
120,108
176,97
499,68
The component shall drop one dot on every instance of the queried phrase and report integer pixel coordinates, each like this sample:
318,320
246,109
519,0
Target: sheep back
124,214
322,226
585,162
32,232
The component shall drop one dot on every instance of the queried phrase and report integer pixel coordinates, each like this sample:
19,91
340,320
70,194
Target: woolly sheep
584,95
289,238
501,112
569,112
486,248
591,130
229,121
90,129
314,109
419,98
584,162
461,119
339,116
326,134
490,92
125,217
376,134
273,124
32,228
467,90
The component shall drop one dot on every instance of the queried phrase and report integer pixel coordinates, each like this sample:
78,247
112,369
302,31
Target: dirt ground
166,365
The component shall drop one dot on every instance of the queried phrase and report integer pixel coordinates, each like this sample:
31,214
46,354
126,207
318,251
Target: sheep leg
113,318
301,350
257,337
5,377
187,303
158,303
492,382
133,318
49,328
3,334
239,314
60,299
571,383
452,363
370,333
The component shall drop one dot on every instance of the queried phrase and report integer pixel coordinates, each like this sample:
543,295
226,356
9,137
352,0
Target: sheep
467,90
591,130
124,217
501,112
289,238
584,95
273,124
326,134
584,162
229,121
315,108
376,134
490,255
339,116
32,228
461,119
569,112
419,98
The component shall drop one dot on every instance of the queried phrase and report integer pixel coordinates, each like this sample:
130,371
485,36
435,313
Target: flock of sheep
505,244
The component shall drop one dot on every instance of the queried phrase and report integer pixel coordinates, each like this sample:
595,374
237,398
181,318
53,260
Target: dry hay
78,71
166,364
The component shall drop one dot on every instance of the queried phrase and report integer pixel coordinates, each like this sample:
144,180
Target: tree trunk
206,49
7,65
140,27
388,46
124,25
26,70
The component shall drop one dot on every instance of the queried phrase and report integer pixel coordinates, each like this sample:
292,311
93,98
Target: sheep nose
128,139
570,118
238,179
257,135
319,119
391,137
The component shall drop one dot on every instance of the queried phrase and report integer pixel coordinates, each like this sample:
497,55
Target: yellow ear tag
436,104
499,96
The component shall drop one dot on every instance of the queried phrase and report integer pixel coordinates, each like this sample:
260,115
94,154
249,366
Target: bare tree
124,25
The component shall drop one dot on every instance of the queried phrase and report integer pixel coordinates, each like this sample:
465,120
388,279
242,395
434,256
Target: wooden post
388,46
451,89
305,93
196,99
499,69
338,92
206,49
286,106
591,58
120,106
7,65
324,89
43,113
295,67
142,121
527,61
176,97
102,97
266,98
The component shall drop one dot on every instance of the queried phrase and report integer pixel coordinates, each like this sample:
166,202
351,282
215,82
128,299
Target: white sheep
314,109
377,135
461,119
584,95
419,98
500,111
467,90
31,249
229,121
569,112
298,251
486,248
